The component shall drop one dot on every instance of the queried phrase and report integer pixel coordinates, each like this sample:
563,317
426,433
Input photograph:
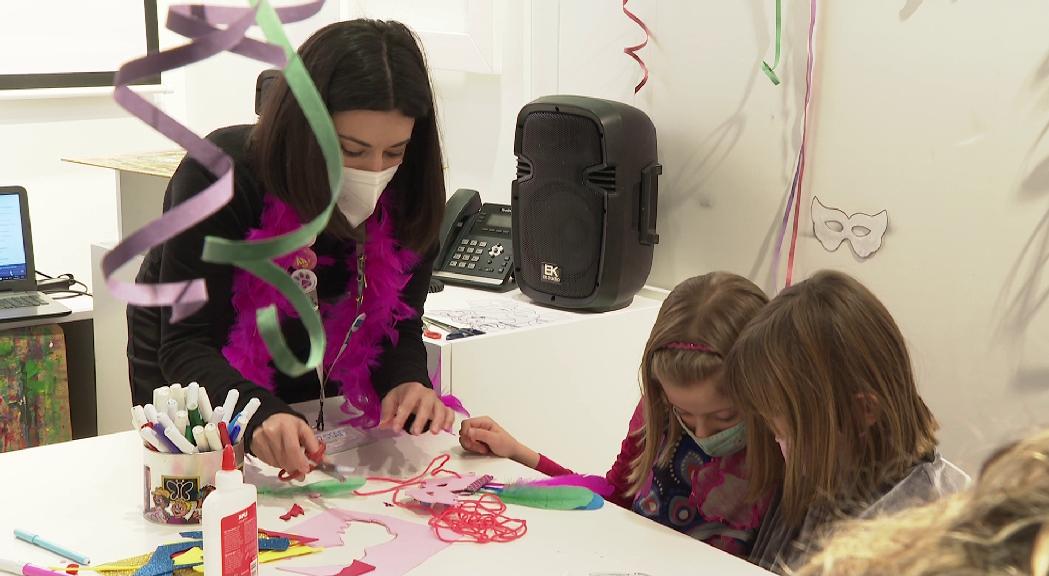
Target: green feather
326,488
548,497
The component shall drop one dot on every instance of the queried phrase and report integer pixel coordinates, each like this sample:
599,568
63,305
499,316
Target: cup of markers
182,441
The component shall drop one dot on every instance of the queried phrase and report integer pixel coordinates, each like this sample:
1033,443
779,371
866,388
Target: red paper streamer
794,199
632,50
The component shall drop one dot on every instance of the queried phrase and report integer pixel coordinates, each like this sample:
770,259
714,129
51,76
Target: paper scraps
863,231
442,490
412,543
294,512
355,569
185,557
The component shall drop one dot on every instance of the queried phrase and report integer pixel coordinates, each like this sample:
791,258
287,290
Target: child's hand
485,436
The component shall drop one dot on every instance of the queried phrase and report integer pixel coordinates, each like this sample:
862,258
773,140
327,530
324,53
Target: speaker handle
649,203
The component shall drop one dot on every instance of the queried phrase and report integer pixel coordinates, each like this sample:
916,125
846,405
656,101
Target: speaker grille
560,217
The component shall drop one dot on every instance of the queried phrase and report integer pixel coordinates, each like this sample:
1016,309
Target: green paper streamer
326,488
770,71
257,257
547,497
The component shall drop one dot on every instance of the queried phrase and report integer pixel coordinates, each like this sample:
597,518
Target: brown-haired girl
681,463
823,372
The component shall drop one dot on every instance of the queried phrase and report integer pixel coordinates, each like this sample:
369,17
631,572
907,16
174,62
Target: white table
87,495
80,360
579,369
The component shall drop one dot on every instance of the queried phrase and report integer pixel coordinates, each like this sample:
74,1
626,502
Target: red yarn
417,479
481,520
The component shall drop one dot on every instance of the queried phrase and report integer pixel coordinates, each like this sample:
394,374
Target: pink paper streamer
413,543
198,22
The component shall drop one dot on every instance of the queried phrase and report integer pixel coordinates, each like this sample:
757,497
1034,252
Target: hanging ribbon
770,71
202,23
794,198
632,50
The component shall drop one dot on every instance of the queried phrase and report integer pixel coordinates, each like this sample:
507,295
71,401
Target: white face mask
360,192
832,227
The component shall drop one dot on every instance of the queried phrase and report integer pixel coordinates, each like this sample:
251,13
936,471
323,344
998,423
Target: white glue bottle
231,532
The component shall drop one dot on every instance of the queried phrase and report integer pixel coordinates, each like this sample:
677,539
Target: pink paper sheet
413,543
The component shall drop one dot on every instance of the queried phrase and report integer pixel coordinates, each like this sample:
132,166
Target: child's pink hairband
694,346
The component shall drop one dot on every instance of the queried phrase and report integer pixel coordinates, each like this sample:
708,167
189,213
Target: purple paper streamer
198,22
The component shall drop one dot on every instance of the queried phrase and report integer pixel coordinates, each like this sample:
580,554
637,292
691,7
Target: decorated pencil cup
174,486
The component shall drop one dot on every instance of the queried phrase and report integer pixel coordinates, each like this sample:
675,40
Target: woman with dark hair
371,263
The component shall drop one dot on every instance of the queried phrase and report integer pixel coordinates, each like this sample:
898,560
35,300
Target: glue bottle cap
229,459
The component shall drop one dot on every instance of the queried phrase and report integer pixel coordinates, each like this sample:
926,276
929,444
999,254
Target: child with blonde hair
682,462
998,528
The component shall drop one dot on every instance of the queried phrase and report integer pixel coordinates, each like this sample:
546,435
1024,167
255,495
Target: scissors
318,463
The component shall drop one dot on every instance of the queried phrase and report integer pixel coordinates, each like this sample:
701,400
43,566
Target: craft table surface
87,496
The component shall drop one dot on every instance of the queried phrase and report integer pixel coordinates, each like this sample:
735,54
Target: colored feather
326,488
596,484
454,403
548,497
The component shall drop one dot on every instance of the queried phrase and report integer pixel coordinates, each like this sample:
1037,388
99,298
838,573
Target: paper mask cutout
441,490
863,231
413,543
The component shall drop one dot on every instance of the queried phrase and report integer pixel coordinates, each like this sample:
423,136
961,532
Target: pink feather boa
388,269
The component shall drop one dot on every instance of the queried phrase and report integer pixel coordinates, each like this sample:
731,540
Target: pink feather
454,403
596,484
390,269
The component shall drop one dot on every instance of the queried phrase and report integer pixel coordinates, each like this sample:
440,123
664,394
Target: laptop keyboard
22,301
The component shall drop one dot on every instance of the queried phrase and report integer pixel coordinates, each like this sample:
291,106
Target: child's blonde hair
707,311
1000,527
826,357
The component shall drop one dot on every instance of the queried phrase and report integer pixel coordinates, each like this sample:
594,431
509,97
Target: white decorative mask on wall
863,231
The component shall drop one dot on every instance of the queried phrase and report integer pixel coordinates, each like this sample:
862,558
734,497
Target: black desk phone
476,245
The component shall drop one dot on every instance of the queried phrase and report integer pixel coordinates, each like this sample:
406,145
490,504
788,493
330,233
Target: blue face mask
724,443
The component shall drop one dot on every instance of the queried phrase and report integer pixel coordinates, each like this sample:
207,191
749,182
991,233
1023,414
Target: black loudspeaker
584,202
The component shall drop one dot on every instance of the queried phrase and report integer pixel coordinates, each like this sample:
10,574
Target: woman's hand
485,436
414,398
282,441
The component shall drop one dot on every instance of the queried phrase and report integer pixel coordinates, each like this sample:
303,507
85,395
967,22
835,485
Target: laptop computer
19,297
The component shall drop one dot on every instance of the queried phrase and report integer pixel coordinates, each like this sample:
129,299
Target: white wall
73,206
934,111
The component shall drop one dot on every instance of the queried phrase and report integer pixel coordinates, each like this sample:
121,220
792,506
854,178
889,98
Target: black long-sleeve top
161,353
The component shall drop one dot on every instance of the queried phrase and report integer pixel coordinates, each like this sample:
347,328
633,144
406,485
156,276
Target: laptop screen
13,265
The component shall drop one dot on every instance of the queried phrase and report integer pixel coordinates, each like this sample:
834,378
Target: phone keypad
486,258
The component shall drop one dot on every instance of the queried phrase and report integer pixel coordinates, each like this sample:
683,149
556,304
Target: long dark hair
356,65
